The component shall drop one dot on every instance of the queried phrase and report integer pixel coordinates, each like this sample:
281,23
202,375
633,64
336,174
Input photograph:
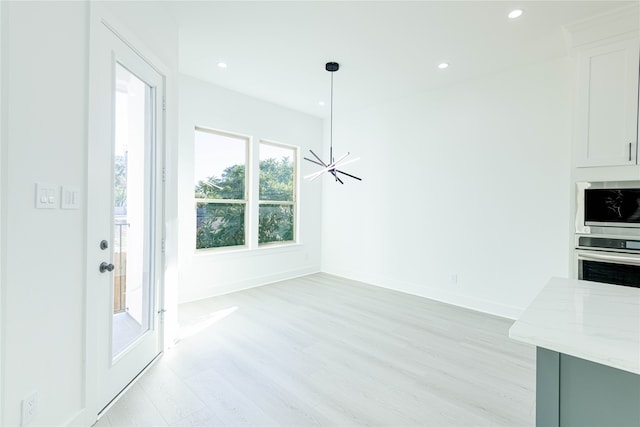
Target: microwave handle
610,258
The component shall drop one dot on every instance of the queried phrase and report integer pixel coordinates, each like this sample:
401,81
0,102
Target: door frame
101,20
3,190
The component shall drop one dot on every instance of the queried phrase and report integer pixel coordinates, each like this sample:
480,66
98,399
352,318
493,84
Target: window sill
244,251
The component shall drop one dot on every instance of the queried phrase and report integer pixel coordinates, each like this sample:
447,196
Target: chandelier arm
329,167
341,163
318,158
313,161
332,166
333,172
314,175
336,162
348,174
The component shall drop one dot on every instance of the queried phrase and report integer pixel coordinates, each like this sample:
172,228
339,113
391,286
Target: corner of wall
3,26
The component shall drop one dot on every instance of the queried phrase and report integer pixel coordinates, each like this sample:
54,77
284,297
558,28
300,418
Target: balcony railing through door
120,270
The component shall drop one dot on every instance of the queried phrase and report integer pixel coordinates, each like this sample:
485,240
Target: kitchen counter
587,336
593,321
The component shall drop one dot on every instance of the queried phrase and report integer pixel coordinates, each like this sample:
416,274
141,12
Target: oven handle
610,258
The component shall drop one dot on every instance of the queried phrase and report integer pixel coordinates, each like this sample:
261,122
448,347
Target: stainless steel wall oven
607,240
609,260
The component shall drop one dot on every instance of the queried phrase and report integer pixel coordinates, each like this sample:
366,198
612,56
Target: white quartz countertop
593,321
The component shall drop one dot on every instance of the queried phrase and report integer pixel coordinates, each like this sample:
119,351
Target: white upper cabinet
606,127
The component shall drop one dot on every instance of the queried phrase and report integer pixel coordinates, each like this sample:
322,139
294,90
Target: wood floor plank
226,401
172,398
134,408
323,350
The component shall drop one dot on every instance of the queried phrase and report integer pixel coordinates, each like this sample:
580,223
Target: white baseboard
430,292
437,294
227,288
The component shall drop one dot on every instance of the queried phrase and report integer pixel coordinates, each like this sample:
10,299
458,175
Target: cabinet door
607,105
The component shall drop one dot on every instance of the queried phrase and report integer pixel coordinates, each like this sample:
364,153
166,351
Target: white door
124,225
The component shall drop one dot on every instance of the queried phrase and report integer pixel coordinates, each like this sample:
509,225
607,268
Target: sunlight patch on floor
205,322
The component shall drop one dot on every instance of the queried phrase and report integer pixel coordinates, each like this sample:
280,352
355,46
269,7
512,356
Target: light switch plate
70,197
46,196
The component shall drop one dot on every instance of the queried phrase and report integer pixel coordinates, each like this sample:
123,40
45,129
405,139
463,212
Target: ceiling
277,51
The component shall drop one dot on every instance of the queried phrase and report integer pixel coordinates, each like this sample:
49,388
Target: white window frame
244,201
293,203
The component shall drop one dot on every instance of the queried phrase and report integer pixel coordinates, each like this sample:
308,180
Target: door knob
106,267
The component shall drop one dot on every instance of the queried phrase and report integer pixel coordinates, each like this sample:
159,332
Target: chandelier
332,165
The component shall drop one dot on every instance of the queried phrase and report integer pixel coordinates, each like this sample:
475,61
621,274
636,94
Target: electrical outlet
454,278
29,408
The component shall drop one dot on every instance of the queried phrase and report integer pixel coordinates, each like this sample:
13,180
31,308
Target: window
220,189
225,215
277,204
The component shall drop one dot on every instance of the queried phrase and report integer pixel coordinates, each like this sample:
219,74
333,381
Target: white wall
2,191
45,100
471,180
208,273
43,276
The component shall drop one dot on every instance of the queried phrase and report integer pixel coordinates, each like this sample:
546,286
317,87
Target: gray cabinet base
576,392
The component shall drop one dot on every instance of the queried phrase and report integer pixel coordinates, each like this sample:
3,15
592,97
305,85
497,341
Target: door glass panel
131,197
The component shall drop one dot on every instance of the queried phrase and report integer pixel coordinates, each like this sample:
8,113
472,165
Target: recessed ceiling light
516,13
443,65
321,103
222,64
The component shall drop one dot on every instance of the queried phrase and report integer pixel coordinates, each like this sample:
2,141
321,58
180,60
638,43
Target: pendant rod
331,123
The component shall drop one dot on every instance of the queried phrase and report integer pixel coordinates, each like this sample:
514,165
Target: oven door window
615,274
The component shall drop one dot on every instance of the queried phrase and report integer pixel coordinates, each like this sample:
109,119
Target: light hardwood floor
326,351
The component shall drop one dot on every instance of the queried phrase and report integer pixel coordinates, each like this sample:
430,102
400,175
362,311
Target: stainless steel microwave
608,208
